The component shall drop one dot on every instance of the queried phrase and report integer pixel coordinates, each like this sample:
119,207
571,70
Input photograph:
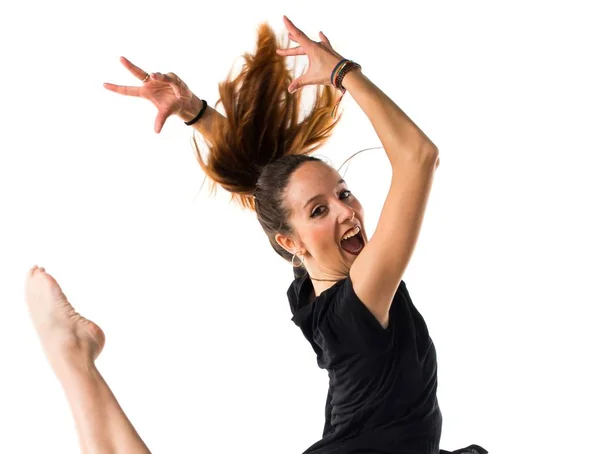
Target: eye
316,211
321,209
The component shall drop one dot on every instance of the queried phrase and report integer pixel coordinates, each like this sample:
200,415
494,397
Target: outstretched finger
291,51
160,120
137,72
123,90
170,79
296,34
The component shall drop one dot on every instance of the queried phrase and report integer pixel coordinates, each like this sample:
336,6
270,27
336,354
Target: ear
286,242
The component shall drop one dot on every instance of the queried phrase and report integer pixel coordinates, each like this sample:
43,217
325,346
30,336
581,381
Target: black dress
382,395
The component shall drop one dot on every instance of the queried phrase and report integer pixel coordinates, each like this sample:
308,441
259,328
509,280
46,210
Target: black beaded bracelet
349,66
197,117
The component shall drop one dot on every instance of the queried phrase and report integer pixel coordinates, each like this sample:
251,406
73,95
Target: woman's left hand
322,59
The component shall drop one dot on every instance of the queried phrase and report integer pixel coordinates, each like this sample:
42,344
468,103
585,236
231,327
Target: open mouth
353,242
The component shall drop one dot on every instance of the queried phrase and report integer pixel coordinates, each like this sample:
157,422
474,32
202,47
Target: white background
200,351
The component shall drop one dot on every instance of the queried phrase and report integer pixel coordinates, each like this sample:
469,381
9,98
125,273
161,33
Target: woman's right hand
167,92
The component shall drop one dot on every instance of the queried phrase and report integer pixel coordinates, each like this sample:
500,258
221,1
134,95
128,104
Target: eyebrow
321,195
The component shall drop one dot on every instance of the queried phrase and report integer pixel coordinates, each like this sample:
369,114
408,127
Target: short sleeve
346,325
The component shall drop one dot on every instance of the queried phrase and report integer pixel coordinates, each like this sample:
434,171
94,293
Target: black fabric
382,395
471,449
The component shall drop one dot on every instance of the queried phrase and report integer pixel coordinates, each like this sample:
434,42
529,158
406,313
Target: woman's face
322,208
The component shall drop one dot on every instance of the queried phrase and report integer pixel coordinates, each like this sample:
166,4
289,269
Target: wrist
352,78
190,110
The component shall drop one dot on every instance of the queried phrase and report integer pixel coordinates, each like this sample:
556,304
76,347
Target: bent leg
72,344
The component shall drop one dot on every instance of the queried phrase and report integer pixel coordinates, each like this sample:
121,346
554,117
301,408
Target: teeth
352,233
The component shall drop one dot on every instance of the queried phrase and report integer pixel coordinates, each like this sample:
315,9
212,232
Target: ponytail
263,121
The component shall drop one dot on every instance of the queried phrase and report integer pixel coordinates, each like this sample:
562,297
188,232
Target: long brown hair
264,139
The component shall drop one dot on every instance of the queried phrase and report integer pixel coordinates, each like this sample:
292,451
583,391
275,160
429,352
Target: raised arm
377,271
210,116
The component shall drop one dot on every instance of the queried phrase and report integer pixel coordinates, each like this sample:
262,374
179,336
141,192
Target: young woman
348,297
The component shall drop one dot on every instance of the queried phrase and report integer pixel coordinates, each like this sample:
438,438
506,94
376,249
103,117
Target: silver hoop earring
301,257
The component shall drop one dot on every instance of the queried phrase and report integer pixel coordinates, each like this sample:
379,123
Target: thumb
160,120
324,38
296,84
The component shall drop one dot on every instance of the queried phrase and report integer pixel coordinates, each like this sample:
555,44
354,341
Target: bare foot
65,335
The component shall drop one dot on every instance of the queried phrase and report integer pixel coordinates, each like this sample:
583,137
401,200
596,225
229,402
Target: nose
346,214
